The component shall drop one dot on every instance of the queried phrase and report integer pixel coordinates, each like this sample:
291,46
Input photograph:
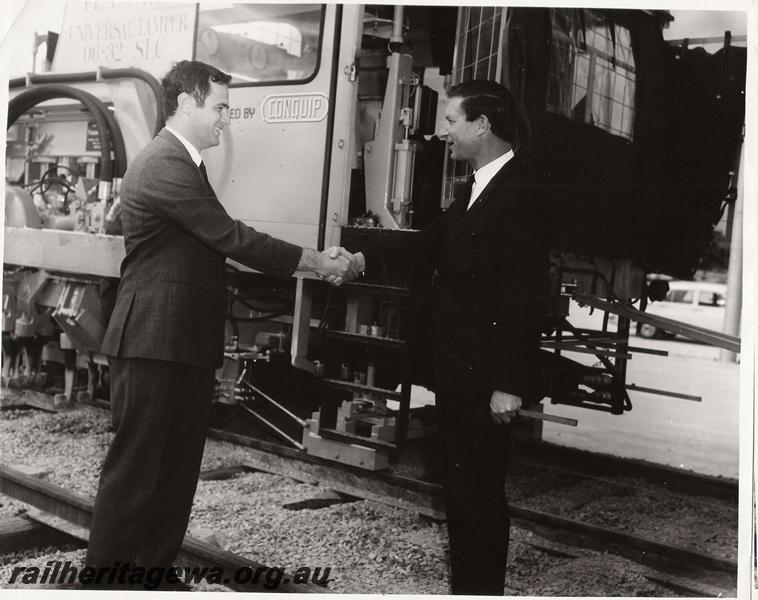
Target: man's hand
357,264
334,264
357,261
504,406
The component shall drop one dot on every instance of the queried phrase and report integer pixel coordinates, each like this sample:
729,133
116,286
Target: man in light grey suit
166,334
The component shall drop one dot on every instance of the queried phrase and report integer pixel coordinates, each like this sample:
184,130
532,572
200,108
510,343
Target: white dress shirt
194,152
483,175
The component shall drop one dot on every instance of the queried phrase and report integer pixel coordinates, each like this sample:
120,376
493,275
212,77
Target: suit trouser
149,475
475,461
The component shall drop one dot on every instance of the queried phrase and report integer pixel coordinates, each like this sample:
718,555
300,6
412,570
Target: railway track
684,570
674,567
71,513
698,572
590,464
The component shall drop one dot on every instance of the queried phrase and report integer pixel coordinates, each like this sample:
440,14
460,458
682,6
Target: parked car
700,303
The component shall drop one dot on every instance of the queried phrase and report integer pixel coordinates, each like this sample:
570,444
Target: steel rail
77,509
637,548
570,460
426,498
591,464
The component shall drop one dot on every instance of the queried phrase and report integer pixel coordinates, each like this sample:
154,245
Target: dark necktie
205,174
467,189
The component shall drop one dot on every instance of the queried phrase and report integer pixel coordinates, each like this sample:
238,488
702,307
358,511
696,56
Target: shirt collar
193,152
484,174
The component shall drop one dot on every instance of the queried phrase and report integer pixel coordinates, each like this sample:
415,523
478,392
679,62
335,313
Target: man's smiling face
208,120
460,133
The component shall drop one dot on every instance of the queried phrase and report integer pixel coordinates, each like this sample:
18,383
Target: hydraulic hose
155,86
109,133
117,139
102,73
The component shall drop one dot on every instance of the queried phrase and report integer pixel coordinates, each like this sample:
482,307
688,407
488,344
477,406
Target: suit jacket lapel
459,223
166,134
457,211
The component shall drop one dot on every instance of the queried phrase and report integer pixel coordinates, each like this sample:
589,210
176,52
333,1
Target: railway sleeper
323,500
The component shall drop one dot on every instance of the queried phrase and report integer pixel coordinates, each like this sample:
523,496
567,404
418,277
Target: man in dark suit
488,258
166,334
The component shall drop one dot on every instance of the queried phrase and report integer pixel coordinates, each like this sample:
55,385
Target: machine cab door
269,169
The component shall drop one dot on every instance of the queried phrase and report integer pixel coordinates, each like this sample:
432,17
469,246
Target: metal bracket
351,72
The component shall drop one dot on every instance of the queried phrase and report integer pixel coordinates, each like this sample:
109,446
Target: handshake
336,265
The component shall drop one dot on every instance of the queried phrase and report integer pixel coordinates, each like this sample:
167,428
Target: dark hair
193,77
491,99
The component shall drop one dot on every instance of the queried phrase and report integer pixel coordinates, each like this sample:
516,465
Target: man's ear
184,103
483,125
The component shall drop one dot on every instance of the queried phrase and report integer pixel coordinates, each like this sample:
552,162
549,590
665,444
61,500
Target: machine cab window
261,43
592,71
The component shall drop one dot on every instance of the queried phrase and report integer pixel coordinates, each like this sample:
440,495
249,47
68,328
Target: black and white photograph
427,298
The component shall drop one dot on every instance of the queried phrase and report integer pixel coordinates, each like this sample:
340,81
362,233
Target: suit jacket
490,271
171,301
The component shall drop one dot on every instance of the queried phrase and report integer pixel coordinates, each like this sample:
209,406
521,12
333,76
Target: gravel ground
703,524
370,547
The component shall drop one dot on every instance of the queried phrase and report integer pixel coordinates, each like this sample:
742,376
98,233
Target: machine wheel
646,330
